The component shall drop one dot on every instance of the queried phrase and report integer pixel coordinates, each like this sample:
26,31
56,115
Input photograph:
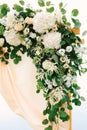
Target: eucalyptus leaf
75,12
82,98
18,8
50,10
63,11
60,4
84,33
48,3
21,2
41,3
4,9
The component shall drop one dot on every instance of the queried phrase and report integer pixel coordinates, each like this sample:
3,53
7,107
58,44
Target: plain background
9,120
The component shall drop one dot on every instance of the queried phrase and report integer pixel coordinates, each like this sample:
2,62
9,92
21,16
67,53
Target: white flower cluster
48,65
12,37
69,80
52,40
43,21
56,95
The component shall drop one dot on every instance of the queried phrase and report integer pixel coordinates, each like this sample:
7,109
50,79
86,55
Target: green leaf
55,58
48,3
82,98
41,3
4,9
18,8
64,19
6,55
77,23
21,2
84,33
69,107
48,128
75,86
17,59
50,10
75,12
60,4
62,42
40,83
77,102
63,11
45,121
2,29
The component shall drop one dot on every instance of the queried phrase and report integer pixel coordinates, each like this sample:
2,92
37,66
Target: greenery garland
55,47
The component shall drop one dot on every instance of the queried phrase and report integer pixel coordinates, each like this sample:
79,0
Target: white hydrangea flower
61,52
1,42
52,40
10,21
69,80
43,21
68,48
12,37
56,95
48,65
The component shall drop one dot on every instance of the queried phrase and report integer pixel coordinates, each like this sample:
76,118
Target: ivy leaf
18,8
48,3
41,3
45,121
50,10
48,128
75,12
60,4
4,9
21,2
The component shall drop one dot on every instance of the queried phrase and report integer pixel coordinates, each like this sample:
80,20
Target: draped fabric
18,87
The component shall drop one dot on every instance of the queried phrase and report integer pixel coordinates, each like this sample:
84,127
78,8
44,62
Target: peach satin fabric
18,87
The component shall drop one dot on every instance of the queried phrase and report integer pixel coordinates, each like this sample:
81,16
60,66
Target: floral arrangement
55,47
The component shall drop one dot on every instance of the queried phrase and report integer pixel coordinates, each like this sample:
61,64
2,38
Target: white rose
68,48
1,42
48,65
55,96
12,37
52,40
61,52
43,21
33,35
66,66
